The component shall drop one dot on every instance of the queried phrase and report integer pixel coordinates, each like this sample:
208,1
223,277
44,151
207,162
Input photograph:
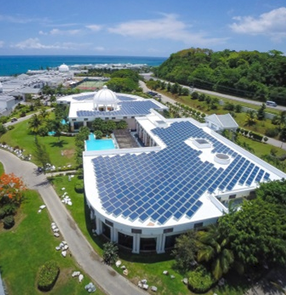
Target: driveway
104,276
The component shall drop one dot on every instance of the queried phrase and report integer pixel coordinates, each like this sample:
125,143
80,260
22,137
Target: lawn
27,246
61,151
143,266
259,127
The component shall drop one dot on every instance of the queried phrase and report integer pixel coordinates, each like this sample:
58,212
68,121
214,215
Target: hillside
252,74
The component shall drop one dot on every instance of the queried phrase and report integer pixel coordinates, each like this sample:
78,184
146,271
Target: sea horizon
19,64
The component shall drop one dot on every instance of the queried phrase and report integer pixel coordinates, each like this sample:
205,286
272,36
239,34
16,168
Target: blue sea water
18,64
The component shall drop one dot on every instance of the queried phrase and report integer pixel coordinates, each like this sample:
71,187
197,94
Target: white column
98,226
163,241
136,244
72,126
114,235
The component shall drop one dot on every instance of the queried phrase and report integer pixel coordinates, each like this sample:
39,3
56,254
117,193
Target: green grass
20,136
1,168
27,246
143,266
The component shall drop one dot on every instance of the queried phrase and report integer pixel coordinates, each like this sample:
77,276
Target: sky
139,27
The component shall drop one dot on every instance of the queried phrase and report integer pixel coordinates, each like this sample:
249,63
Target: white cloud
60,32
166,27
272,23
1,44
34,43
99,48
19,19
94,28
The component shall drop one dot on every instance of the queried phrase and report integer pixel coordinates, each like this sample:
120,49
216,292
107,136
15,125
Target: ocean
11,65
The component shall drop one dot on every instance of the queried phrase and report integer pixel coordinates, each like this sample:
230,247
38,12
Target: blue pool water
93,144
51,133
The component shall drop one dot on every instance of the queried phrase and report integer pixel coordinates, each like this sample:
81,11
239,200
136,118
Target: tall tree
213,247
34,124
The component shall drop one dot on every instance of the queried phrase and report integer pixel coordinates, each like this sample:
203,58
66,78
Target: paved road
280,108
104,276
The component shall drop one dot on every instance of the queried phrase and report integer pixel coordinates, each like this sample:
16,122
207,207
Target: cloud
60,32
1,44
19,19
99,48
272,23
34,43
94,28
166,27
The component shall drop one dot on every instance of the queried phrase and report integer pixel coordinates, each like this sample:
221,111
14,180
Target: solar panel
167,184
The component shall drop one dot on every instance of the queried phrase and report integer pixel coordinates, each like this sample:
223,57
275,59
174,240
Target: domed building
107,105
64,68
105,100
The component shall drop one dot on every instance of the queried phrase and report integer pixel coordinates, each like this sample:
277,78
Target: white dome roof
64,68
105,96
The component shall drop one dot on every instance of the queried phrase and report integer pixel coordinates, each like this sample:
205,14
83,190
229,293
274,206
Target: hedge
48,275
8,221
200,280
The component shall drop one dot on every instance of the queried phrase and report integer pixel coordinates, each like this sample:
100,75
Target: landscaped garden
28,245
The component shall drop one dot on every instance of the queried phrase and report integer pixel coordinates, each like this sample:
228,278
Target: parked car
14,120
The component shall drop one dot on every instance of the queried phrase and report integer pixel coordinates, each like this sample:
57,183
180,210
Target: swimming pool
93,144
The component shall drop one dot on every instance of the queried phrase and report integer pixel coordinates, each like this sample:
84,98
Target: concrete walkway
102,275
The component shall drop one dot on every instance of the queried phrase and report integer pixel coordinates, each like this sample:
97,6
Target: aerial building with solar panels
180,178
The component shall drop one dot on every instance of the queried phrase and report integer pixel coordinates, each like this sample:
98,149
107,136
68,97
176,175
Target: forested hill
252,74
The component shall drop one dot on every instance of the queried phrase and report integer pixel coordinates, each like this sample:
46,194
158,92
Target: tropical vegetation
252,74
247,240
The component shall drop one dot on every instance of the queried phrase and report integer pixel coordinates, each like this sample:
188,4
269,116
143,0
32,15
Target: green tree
185,251
97,124
261,112
98,134
41,154
34,124
250,118
213,247
257,233
110,253
121,124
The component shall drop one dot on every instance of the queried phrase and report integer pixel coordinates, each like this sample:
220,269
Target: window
198,225
124,117
73,120
109,222
107,118
232,197
168,230
113,118
136,231
85,119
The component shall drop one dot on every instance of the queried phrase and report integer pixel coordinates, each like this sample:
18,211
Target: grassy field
27,246
148,266
259,127
61,152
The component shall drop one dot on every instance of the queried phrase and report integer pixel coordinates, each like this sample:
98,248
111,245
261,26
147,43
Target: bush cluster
200,280
8,221
48,275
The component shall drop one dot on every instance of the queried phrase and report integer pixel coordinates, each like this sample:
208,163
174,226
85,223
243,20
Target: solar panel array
132,108
165,184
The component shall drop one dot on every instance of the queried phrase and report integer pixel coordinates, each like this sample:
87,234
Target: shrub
257,136
271,132
8,221
200,280
10,127
48,275
9,209
98,134
2,213
79,187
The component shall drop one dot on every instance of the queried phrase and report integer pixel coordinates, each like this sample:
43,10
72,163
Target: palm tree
250,118
280,120
212,247
44,114
110,251
34,124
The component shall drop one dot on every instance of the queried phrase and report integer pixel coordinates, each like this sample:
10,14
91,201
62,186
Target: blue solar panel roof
127,108
168,183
